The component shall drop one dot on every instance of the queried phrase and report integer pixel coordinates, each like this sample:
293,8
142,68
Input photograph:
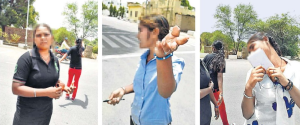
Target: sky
50,11
263,8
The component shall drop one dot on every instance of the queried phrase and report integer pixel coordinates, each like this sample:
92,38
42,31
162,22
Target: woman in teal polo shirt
157,75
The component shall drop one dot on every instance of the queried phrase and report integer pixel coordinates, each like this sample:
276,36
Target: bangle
34,92
290,85
163,58
217,106
248,97
124,89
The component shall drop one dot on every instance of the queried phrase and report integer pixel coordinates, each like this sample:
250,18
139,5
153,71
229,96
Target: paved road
234,85
118,69
83,111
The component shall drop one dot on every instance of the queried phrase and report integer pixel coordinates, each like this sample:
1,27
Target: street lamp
27,25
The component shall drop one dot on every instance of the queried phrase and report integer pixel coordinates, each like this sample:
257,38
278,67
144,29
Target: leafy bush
95,49
15,38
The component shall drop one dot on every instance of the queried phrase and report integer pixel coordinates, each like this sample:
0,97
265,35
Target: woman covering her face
157,75
270,105
34,81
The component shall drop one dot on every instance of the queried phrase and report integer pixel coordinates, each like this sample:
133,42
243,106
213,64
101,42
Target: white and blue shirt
148,106
274,105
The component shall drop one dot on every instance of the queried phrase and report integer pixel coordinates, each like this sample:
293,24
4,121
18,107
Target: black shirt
75,58
205,108
213,74
34,72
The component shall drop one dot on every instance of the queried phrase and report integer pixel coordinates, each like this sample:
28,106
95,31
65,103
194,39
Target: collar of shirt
36,53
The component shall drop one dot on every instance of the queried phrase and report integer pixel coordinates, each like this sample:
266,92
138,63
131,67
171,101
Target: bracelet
290,85
124,89
163,58
34,92
248,97
217,106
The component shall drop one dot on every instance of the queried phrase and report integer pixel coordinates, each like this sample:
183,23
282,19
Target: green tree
104,6
21,9
61,33
111,10
244,17
122,11
186,3
90,19
219,36
284,29
8,15
115,11
87,23
242,45
70,11
205,39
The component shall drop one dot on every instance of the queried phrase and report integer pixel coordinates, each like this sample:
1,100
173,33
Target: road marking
120,41
108,41
135,39
137,55
130,40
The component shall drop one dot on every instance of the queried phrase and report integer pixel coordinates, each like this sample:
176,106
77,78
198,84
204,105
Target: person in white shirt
274,104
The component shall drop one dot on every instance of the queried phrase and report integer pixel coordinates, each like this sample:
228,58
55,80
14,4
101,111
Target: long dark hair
156,21
79,46
218,62
260,36
36,27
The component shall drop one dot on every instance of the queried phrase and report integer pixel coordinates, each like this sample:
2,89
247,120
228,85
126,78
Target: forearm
213,99
26,91
65,55
128,89
204,92
295,94
220,82
248,104
165,79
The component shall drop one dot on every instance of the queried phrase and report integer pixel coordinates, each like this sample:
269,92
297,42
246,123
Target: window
130,13
136,13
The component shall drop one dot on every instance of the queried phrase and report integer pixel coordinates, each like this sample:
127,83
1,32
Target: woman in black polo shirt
75,65
36,74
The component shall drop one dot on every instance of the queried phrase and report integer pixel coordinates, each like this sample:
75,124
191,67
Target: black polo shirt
213,74
75,58
32,70
205,108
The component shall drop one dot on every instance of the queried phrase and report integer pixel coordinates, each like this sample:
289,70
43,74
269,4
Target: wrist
284,82
124,90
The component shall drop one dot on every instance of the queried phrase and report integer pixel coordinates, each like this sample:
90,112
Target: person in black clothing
206,95
215,63
36,74
75,66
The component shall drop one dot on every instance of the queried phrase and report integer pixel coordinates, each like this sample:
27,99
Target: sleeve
178,65
22,68
69,51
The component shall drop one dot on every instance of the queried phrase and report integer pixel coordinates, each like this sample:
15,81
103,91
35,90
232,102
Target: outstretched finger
182,40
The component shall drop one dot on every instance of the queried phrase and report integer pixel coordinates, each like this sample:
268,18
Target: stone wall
185,22
22,33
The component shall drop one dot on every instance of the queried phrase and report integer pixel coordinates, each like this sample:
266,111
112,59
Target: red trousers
74,72
222,109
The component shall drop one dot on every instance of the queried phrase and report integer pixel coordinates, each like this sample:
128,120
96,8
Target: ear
155,32
266,39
